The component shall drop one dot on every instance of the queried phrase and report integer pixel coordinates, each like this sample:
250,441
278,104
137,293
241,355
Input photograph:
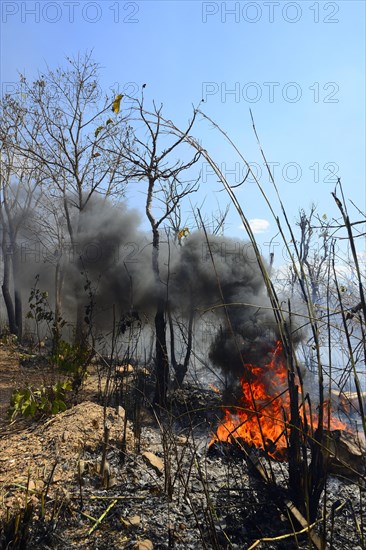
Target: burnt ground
162,487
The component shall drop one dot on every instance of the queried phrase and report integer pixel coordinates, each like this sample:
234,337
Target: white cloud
258,225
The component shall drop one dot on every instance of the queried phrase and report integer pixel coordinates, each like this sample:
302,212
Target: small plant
40,311
72,360
45,400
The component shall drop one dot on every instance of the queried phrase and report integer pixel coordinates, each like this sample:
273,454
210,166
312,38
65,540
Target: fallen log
345,452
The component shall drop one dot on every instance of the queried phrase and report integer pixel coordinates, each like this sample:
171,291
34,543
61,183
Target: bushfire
262,416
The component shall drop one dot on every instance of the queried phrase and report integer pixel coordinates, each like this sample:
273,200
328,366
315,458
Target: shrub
34,402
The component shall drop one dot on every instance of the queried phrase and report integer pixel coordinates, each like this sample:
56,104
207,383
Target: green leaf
109,121
67,385
33,408
98,130
62,406
28,408
43,404
17,398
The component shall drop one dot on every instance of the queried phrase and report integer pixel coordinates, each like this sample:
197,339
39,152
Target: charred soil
89,478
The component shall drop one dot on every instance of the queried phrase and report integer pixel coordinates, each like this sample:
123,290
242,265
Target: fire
263,413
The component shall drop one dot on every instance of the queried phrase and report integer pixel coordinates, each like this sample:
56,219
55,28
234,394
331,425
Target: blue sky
300,67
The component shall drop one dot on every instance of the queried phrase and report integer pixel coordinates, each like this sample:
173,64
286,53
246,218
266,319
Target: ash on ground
161,486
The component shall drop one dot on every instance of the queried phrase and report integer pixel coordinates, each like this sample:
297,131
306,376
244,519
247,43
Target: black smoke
221,276
214,277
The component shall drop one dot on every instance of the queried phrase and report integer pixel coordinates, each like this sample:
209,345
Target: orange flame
263,414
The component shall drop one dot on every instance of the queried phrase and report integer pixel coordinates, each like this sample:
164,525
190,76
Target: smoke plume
222,277
218,277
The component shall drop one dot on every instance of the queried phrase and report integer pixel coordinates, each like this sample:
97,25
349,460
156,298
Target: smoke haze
115,256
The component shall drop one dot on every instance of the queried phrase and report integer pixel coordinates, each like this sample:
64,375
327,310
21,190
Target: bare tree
50,231
19,191
74,142
152,159
314,242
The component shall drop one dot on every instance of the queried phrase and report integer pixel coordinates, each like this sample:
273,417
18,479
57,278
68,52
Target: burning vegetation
262,416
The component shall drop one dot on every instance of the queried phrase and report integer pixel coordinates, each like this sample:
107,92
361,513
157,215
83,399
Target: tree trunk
80,336
57,330
172,340
161,352
6,294
18,308
161,356
8,255
18,313
189,339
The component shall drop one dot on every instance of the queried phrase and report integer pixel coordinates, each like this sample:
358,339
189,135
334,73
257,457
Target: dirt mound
63,440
